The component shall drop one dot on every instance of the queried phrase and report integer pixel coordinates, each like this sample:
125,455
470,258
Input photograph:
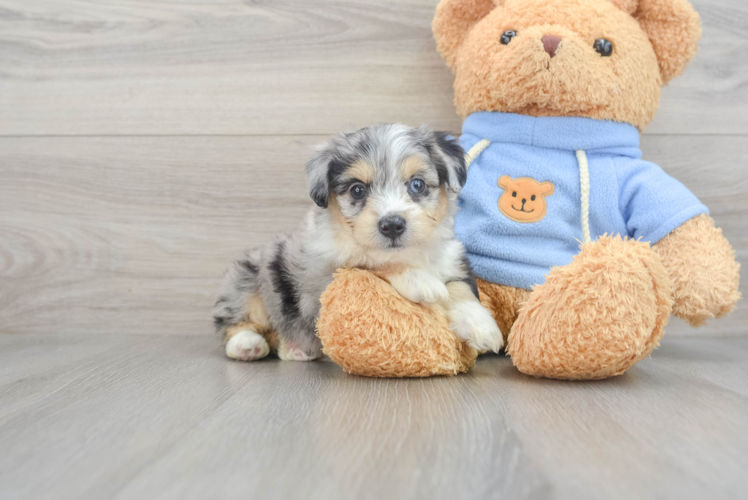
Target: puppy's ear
452,22
317,169
447,156
672,26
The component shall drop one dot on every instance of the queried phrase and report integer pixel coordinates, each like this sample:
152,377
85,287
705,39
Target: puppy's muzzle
392,226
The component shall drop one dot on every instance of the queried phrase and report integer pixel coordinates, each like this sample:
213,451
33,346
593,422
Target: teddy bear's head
602,59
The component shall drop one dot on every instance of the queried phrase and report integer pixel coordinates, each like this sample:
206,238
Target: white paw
420,287
247,346
472,323
288,351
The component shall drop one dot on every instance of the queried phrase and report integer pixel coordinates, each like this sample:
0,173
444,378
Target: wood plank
132,234
283,67
169,417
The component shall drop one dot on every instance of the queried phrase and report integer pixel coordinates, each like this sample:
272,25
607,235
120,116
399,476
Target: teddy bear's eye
604,47
514,194
532,198
507,36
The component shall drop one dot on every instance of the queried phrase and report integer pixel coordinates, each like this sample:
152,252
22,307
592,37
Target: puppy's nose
550,44
392,226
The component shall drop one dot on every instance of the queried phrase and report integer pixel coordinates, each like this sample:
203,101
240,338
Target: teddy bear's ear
547,188
672,26
504,182
452,22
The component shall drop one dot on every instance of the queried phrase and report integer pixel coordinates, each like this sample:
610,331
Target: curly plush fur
389,336
595,317
702,265
607,310
654,41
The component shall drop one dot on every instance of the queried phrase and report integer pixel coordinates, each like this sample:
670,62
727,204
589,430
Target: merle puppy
385,200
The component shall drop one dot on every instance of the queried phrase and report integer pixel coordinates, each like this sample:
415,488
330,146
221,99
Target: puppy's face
389,187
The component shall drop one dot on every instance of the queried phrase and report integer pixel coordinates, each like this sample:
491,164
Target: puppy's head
388,186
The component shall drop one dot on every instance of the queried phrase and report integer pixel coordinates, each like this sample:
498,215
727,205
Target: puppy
385,200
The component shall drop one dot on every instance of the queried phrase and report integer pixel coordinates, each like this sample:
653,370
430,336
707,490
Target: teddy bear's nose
550,44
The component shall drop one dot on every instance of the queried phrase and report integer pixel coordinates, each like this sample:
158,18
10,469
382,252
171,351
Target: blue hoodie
627,195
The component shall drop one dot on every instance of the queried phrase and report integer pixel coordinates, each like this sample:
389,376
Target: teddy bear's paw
247,345
471,322
705,273
419,286
596,317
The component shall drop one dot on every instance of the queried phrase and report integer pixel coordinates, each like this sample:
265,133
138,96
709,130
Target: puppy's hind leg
239,314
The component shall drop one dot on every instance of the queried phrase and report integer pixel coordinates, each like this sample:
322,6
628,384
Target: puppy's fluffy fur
385,200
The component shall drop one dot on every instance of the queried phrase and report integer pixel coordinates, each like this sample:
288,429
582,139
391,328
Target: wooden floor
168,417
145,144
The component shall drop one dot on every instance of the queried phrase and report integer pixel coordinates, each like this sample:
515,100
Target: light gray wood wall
143,144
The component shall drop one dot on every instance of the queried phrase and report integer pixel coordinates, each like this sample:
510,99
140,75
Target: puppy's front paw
472,323
420,287
247,345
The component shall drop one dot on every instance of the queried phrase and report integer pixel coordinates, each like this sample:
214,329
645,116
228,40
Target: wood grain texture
131,417
132,234
282,67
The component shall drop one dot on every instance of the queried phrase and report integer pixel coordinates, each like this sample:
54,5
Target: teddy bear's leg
701,263
504,302
595,317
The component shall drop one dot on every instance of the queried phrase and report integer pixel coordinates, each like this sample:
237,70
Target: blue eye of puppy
358,191
507,37
417,186
604,47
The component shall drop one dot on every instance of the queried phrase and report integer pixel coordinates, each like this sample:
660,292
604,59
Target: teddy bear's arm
701,263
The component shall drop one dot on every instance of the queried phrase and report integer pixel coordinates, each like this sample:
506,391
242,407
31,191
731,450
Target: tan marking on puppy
257,312
442,207
364,227
234,329
341,220
258,321
411,166
362,171
388,270
459,291
272,339
427,220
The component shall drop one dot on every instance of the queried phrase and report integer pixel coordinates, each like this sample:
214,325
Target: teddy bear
582,250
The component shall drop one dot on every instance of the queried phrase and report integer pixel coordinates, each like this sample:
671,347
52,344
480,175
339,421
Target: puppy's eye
532,198
603,47
417,186
358,191
507,37
514,194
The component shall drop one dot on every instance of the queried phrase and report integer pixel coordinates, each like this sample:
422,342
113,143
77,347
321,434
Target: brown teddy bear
554,94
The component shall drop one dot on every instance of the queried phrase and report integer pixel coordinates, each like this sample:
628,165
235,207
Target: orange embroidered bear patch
523,199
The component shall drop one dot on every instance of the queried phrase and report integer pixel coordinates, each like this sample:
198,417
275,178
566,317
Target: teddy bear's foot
369,329
596,317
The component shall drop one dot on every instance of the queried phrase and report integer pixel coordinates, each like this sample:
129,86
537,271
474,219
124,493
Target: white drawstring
475,151
584,181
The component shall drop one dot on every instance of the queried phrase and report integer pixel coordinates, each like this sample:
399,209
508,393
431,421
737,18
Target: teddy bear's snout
551,43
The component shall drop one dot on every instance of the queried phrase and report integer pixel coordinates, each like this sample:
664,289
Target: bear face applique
524,199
